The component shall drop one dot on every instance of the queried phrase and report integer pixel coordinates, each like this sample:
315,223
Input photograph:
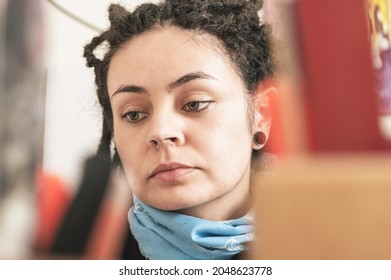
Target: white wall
72,118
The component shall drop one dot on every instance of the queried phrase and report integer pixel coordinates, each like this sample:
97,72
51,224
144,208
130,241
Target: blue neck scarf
165,235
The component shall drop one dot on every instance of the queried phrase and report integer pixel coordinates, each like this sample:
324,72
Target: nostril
172,139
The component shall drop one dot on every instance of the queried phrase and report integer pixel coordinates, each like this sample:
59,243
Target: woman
184,100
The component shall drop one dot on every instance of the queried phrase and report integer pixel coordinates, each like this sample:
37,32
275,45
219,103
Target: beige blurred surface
325,207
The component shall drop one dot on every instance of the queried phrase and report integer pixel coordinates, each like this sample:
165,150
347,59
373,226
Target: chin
174,205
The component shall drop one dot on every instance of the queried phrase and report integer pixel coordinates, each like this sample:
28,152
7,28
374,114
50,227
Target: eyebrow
131,89
187,78
178,83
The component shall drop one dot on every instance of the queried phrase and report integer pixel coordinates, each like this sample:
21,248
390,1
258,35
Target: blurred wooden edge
324,207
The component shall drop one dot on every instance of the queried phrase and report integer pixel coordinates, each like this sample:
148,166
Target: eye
134,116
196,106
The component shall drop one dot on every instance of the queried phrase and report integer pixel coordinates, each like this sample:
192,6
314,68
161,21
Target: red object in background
339,87
53,198
288,134
277,142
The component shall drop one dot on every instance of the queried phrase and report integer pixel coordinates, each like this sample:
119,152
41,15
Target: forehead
168,52
165,38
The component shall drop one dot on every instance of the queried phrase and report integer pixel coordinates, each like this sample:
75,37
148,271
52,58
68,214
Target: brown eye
134,116
196,106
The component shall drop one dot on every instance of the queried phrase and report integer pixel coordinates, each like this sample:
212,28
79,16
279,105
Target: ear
262,113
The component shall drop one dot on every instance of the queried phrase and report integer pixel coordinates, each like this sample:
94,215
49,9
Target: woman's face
181,124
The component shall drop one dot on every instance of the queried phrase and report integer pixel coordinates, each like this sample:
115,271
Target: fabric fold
165,235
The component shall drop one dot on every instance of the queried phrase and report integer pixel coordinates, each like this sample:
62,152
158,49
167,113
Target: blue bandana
165,235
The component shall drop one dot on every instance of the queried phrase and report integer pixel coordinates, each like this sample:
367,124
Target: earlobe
259,140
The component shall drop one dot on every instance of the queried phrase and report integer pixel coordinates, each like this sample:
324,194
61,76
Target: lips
171,171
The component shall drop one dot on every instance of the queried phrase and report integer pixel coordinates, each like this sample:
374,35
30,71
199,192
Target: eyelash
127,114
205,105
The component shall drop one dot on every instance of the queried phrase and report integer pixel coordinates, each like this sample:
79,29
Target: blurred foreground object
329,196
21,122
53,198
95,222
327,207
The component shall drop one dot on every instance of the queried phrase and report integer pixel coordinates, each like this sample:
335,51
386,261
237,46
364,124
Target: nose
165,130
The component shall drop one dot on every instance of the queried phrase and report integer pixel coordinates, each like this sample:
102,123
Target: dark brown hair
235,23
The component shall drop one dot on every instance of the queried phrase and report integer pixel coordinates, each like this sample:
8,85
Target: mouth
171,171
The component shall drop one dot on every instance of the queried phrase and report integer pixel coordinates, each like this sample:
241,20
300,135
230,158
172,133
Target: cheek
234,128
229,141
132,164
126,144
